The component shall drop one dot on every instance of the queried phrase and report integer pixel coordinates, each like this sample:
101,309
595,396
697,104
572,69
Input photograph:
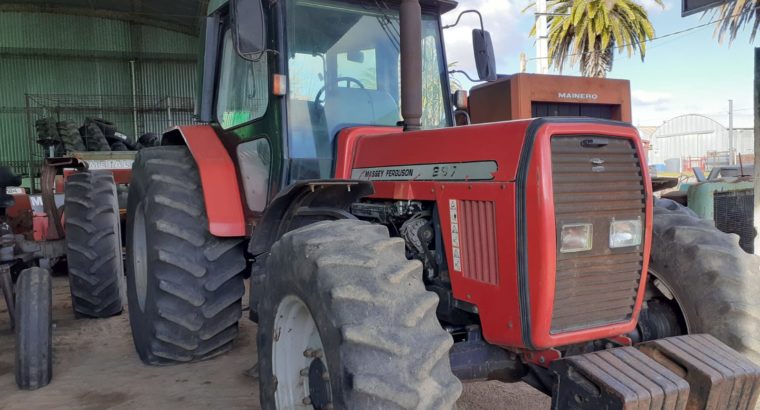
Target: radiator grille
596,183
733,213
477,235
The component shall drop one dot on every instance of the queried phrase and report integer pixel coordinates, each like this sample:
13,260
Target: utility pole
756,176
542,38
731,142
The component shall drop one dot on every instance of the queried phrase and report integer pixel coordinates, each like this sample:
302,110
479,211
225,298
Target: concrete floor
95,367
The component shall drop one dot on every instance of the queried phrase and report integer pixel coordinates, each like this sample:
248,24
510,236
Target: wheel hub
298,362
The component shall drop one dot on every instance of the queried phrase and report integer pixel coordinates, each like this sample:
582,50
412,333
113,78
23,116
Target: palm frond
587,32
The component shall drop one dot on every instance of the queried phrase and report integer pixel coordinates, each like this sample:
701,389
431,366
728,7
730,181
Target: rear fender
221,191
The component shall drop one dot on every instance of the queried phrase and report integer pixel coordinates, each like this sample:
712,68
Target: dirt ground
95,367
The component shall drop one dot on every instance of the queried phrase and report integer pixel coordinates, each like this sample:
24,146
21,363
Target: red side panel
347,140
497,299
381,147
224,206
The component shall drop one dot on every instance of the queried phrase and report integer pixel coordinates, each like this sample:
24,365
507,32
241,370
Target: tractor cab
301,86
320,66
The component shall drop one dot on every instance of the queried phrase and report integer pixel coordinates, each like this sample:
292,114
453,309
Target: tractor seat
7,179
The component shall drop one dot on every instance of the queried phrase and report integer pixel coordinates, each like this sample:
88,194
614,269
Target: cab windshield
344,70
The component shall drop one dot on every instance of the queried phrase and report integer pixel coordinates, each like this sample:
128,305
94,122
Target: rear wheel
184,284
346,322
93,244
34,351
703,281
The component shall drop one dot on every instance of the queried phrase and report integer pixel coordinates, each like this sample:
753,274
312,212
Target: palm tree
589,31
733,15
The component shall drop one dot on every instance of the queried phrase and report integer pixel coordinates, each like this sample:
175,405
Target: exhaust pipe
411,64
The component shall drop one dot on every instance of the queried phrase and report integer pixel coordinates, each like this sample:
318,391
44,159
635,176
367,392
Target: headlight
576,238
625,233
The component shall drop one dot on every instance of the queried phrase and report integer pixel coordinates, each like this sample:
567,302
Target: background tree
733,15
589,31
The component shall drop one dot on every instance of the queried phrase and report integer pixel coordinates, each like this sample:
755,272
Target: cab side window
243,92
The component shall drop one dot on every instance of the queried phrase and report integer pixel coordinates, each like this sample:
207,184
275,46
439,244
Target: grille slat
597,187
477,227
595,196
593,177
599,286
621,257
569,291
608,205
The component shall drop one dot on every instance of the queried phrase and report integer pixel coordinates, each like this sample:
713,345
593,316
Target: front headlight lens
576,238
625,233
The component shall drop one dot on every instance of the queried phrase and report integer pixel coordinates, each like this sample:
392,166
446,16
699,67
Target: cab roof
443,6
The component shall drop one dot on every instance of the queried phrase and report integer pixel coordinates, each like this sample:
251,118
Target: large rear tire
34,324
184,284
346,321
93,245
713,282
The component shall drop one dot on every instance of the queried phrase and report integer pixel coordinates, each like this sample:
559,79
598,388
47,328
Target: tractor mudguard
224,206
305,202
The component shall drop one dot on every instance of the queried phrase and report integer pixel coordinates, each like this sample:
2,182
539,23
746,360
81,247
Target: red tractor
392,254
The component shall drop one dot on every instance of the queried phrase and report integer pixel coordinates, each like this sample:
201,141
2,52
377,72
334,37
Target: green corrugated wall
44,53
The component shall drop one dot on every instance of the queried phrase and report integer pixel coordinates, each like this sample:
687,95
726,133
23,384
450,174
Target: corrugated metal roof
177,15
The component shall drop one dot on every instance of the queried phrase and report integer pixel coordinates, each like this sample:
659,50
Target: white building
695,136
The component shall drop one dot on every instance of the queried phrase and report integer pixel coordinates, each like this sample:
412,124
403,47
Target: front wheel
704,282
346,322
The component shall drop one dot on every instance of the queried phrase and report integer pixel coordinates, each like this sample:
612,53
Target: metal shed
54,54
692,137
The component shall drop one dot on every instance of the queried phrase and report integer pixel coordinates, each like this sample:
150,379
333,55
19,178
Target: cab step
683,372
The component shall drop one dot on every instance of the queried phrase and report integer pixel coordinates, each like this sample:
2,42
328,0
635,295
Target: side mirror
249,32
485,61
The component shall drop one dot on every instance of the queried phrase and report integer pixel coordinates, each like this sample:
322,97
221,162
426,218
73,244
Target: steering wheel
348,81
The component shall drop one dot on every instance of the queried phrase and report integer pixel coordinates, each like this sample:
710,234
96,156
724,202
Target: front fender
305,202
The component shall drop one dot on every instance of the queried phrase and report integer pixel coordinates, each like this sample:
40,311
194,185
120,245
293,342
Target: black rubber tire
192,280
383,343
34,326
714,282
93,245
94,138
69,133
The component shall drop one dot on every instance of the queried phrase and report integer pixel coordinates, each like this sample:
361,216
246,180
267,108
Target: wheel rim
140,256
298,361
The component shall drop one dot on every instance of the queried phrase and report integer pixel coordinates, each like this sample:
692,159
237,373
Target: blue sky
683,74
